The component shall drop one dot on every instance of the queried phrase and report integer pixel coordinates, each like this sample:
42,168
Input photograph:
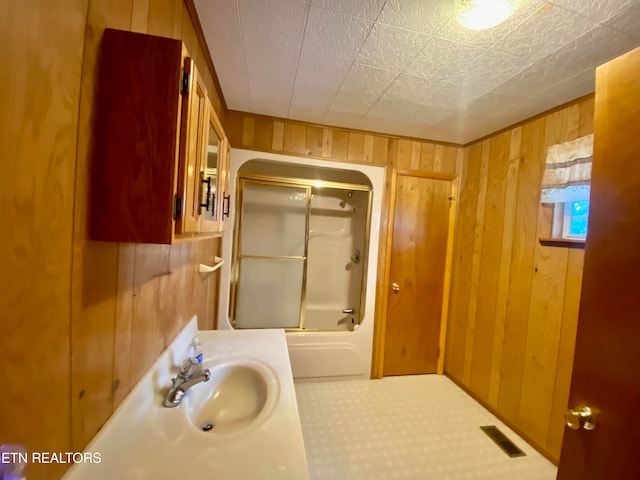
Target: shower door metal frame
309,185
237,256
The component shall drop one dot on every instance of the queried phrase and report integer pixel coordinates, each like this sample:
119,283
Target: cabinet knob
395,287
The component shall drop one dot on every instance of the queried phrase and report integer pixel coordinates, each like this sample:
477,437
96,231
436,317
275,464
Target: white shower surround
317,355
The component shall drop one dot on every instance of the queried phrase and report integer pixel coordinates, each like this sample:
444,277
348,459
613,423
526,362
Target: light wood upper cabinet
152,140
194,118
225,197
213,173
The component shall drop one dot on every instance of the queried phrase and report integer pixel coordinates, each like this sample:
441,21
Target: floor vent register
502,441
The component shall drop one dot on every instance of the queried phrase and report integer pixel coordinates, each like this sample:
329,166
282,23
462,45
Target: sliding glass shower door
300,254
271,254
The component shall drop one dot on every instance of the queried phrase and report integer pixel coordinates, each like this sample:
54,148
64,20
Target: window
570,220
576,216
566,189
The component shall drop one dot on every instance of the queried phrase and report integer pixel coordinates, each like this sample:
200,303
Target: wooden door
606,373
416,279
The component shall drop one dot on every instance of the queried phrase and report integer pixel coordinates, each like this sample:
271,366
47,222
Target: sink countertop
144,440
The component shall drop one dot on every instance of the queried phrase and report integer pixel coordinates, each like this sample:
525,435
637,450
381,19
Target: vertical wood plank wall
268,134
127,299
514,303
82,320
39,100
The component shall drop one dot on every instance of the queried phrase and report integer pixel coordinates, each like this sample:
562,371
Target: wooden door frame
377,365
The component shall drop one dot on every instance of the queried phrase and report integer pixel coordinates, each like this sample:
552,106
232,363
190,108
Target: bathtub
318,355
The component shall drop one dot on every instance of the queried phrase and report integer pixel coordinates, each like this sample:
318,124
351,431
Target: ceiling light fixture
483,14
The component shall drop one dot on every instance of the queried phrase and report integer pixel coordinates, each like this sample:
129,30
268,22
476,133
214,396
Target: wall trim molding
193,14
570,103
575,101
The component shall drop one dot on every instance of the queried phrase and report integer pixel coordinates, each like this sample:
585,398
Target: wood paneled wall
127,299
277,135
514,303
82,321
39,101
268,134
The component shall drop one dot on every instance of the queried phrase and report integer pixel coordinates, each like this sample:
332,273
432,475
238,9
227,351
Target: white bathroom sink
240,394
257,432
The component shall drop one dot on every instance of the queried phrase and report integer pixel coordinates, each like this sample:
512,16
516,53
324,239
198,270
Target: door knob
581,416
395,287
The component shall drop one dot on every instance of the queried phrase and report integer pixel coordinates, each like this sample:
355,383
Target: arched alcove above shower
307,172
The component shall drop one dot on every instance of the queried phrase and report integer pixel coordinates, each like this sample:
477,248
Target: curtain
567,174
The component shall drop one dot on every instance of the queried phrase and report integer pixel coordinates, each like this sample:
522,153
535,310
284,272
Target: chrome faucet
191,373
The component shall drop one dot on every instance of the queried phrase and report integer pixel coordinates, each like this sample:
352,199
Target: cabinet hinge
177,207
184,82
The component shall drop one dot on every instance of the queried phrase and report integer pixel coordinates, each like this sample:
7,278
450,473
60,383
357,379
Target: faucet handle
189,367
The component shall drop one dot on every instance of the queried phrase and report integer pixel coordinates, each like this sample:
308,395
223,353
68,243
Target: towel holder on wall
218,262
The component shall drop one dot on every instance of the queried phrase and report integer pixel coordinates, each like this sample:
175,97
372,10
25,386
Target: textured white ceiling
406,67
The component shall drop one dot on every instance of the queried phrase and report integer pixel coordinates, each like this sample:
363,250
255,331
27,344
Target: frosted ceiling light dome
483,14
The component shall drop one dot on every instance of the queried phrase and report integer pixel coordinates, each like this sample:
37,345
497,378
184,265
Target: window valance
567,173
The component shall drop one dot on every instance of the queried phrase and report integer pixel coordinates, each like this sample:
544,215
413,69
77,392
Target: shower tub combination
304,248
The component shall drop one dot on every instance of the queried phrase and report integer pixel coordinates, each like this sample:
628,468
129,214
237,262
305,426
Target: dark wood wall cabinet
159,153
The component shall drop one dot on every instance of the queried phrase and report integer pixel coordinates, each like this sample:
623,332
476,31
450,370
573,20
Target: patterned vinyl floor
413,427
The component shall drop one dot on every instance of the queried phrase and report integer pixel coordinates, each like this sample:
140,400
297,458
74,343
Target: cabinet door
136,138
194,137
225,198
213,162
